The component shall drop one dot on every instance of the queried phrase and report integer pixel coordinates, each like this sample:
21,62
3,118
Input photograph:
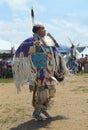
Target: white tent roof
5,45
85,51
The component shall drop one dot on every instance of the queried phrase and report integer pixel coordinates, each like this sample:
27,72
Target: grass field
6,80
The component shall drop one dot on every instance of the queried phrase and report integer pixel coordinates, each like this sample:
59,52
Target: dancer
38,62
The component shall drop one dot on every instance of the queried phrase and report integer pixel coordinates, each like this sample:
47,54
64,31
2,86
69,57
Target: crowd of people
78,65
83,64
6,68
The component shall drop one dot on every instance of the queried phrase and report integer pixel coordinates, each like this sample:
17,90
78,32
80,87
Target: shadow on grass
35,125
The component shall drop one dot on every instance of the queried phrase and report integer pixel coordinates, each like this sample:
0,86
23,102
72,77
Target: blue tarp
63,49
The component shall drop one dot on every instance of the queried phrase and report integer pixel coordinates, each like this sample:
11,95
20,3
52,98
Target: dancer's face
42,31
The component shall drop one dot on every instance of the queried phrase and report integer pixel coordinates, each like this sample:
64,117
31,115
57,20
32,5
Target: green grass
6,80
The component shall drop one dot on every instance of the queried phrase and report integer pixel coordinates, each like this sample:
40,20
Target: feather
32,15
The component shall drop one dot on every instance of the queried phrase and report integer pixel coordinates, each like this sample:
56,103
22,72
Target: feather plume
32,15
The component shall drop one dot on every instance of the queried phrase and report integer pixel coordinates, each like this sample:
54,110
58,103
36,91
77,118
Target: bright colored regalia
39,65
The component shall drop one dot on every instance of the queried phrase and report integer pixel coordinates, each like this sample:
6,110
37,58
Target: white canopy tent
85,51
5,46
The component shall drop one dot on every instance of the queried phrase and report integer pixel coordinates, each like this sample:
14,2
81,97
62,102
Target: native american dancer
38,62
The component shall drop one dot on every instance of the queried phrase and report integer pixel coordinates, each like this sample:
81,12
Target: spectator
86,63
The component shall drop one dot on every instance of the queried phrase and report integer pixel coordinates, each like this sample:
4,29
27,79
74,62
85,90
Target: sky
66,20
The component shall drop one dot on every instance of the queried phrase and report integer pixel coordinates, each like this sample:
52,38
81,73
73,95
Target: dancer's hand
37,43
